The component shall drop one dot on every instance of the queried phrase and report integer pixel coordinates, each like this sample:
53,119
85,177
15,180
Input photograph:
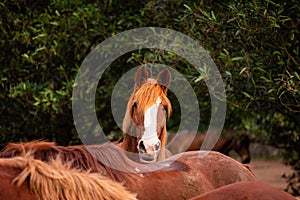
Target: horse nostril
157,146
141,147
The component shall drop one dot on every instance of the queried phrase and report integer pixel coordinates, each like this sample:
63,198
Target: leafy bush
255,45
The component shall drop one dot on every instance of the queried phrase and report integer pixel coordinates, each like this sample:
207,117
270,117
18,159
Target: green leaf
200,78
189,8
39,36
228,73
237,59
213,15
242,71
297,75
246,94
271,90
266,79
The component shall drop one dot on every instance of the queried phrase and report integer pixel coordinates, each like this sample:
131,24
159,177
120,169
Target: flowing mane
78,155
59,180
96,158
106,159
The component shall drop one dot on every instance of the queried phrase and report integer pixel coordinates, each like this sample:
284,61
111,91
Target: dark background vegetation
255,45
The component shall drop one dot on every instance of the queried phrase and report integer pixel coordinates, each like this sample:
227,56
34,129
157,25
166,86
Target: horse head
241,147
144,125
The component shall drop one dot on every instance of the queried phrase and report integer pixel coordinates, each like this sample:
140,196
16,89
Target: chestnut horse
191,174
26,178
250,190
181,142
144,124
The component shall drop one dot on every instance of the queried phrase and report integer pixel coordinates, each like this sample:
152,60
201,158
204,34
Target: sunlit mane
96,158
58,180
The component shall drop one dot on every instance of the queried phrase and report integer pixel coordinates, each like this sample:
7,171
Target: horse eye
134,106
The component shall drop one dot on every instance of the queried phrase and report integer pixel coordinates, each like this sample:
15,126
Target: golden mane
20,149
91,157
147,94
59,180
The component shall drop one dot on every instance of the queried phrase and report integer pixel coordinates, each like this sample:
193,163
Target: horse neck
129,144
163,139
164,136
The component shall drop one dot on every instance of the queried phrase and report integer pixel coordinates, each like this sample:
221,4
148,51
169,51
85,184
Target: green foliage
255,45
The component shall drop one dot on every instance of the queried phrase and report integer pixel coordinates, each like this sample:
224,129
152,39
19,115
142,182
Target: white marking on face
150,123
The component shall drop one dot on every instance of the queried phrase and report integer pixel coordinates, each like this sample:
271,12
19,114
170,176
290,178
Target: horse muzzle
147,158
148,153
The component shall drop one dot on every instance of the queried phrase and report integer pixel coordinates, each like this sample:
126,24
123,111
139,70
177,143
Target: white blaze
150,123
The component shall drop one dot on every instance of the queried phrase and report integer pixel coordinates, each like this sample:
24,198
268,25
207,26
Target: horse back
250,190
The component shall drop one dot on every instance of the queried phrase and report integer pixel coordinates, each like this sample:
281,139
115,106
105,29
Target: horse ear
163,78
141,76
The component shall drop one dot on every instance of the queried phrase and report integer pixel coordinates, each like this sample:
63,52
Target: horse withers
144,124
190,141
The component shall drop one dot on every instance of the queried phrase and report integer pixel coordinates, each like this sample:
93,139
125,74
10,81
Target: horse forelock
146,95
142,98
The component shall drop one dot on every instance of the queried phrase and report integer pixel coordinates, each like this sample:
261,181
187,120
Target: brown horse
190,173
250,190
8,190
26,178
189,141
144,125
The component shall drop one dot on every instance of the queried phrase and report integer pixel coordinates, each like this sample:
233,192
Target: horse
26,178
182,142
189,172
250,190
144,124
